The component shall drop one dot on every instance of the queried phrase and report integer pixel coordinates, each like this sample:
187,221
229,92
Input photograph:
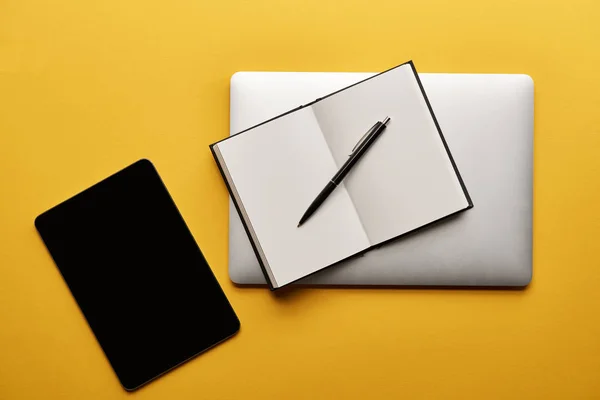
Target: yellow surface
87,87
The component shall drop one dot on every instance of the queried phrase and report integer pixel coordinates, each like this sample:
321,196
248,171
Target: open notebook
405,181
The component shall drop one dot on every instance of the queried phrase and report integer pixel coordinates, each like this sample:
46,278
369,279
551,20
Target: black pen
361,148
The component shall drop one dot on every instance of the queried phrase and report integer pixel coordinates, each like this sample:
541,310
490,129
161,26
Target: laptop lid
487,121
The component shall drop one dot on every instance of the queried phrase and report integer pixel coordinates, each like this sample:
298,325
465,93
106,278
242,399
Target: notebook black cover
137,274
237,206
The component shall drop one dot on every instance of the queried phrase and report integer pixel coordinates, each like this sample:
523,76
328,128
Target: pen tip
386,120
298,225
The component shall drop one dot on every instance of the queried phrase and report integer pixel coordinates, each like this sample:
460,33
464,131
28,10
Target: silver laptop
487,121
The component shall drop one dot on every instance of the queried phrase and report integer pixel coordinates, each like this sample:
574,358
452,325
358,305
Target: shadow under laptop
289,291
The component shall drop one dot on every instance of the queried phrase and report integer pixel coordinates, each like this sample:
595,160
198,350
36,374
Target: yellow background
87,87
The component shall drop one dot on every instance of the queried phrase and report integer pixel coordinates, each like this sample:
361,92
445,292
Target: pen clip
362,139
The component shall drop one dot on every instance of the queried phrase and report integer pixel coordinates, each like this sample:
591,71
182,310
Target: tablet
137,274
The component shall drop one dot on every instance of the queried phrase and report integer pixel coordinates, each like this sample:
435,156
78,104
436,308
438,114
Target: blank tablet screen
137,274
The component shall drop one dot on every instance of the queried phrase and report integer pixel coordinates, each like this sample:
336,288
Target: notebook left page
277,170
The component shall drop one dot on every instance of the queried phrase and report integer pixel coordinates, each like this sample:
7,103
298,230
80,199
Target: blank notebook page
277,170
406,179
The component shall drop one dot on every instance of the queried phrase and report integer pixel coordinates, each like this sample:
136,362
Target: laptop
487,120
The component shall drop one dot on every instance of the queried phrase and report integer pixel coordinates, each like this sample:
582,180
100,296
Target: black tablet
137,274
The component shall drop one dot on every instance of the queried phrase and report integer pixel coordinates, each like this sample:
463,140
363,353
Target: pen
361,148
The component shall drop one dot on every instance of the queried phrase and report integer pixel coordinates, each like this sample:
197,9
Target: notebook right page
406,179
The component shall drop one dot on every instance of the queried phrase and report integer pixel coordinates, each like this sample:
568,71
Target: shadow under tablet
137,274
